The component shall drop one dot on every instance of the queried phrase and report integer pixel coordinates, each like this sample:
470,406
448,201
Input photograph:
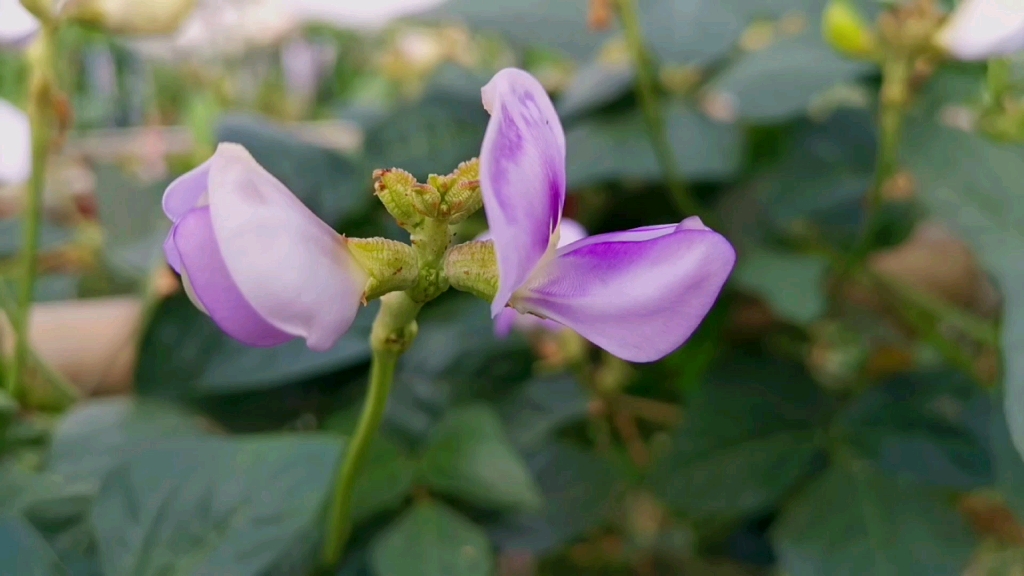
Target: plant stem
40,113
393,331
646,89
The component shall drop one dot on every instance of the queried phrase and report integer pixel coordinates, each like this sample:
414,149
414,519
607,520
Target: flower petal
522,176
292,267
634,235
638,298
15,144
17,25
980,29
204,273
186,191
570,231
504,322
171,253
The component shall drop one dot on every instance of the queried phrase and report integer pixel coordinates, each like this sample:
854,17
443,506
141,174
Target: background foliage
813,426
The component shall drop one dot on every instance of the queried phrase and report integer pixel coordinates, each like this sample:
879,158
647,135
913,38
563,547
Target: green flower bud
845,29
472,267
395,187
391,265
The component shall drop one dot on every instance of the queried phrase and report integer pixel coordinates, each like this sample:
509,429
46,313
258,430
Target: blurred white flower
17,25
981,29
15,145
358,13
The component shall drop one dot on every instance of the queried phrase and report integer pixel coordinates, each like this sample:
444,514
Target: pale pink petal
982,29
15,144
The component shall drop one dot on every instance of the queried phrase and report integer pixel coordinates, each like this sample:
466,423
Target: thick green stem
40,113
646,89
393,332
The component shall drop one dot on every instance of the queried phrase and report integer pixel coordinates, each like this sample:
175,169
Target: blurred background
823,420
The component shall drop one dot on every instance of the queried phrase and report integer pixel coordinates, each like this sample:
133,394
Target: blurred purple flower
15,145
982,29
255,259
638,294
17,25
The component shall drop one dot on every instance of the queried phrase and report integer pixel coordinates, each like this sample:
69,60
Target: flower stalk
42,90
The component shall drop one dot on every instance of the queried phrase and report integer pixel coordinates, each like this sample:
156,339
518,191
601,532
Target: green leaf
579,489
24,552
94,435
1007,463
50,236
916,424
792,284
435,134
216,506
561,25
615,146
184,355
469,457
133,222
385,482
540,407
751,435
691,31
332,186
432,540
595,86
780,81
854,520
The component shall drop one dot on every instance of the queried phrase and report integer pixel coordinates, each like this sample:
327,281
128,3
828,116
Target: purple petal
522,176
634,235
570,231
15,144
981,29
206,276
186,191
293,269
171,252
692,223
17,25
638,298
504,321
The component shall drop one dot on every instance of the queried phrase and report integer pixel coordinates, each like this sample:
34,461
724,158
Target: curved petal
634,235
522,176
980,29
692,223
639,299
570,231
504,322
171,253
208,281
17,25
186,191
291,266
15,145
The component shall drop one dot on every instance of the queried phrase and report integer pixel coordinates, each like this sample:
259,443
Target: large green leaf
780,81
133,223
792,284
917,425
540,407
185,355
751,435
469,457
93,436
974,184
216,506
579,489
23,552
432,540
595,86
691,31
332,186
615,146
854,520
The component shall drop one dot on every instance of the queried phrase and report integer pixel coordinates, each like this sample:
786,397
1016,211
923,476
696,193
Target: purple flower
17,25
638,294
255,259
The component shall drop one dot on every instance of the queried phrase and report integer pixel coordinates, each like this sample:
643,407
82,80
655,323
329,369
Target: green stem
393,332
40,113
646,88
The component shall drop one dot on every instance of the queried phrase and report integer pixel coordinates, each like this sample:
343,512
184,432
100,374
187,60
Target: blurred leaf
792,284
595,86
332,186
432,540
385,481
540,407
751,435
691,31
615,146
185,355
23,552
854,520
96,434
915,425
216,506
578,488
973,183
48,288
435,134
561,25
469,457
51,236
133,222
780,81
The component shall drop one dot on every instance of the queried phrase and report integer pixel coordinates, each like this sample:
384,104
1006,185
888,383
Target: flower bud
395,187
132,17
427,199
845,29
464,197
472,267
391,265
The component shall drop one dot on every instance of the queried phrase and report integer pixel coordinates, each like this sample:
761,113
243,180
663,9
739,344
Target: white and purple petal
638,294
982,29
15,144
522,176
17,25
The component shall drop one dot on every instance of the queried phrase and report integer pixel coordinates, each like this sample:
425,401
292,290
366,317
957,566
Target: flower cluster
267,270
